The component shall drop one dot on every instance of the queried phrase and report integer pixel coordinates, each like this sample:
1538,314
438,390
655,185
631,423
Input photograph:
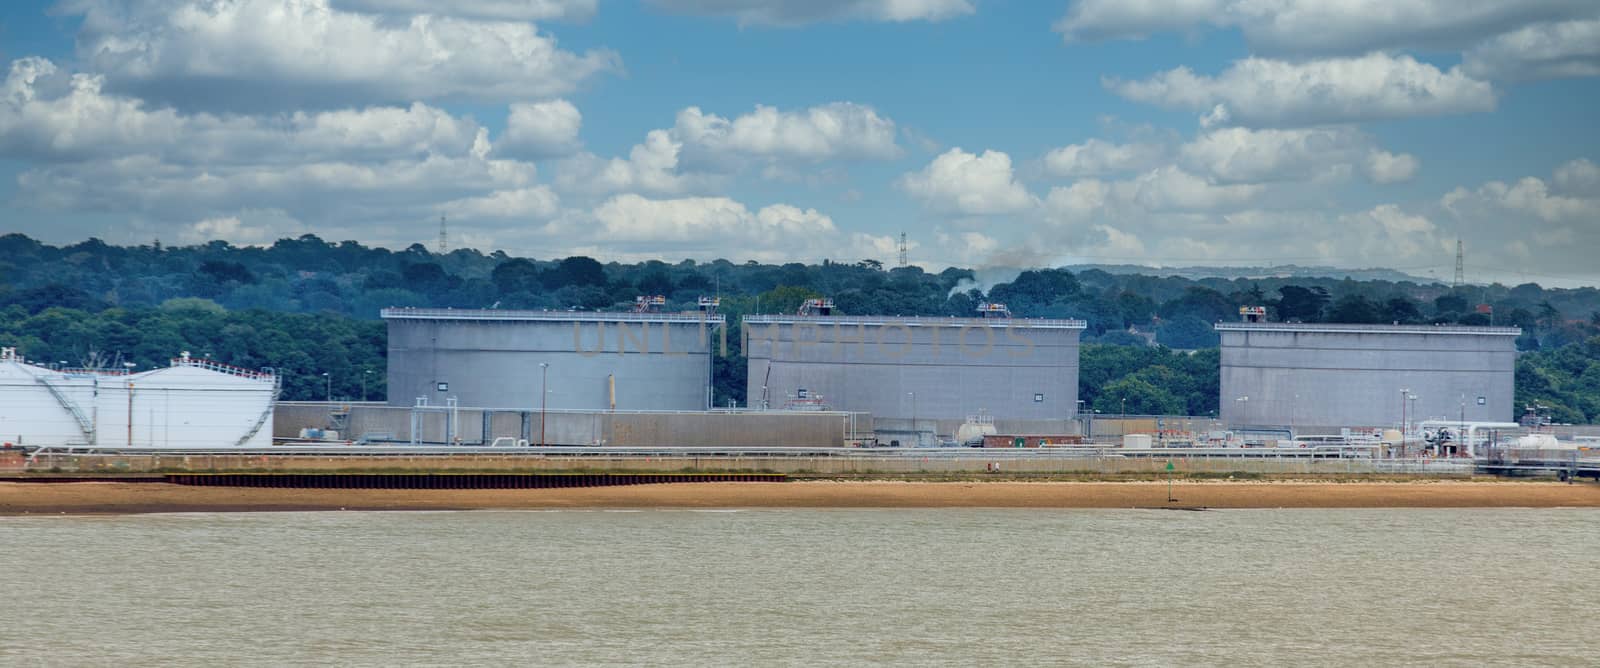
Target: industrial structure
554,360
1307,377
192,404
920,378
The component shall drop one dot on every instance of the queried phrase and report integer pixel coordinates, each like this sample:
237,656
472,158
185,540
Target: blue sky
994,133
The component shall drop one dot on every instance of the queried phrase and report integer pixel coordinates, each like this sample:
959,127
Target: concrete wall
1323,377
494,362
621,428
1022,370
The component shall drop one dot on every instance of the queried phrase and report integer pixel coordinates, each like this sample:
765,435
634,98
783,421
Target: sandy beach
113,497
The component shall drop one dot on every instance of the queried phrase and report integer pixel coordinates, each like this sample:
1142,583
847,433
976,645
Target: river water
805,587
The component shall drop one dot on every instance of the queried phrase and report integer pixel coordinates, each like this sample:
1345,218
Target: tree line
309,307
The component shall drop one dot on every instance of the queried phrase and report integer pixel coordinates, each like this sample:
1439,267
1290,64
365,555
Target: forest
308,308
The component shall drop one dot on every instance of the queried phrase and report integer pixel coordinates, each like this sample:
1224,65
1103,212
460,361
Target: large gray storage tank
1023,372
1325,376
597,361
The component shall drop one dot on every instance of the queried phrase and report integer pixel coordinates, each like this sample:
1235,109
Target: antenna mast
903,253
1461,274
444,238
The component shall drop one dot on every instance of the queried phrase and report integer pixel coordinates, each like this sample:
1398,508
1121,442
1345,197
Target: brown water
803,587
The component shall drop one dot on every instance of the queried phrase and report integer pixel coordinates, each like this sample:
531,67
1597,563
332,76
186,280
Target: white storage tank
192,404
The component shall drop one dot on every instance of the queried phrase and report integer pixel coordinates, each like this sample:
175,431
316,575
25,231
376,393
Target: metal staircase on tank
266,413
85,425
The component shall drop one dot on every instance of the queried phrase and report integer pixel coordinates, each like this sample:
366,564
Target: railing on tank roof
587,316
1353,328
917,320
213,365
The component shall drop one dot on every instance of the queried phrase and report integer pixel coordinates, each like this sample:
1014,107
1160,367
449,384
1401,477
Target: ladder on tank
266,413
84,424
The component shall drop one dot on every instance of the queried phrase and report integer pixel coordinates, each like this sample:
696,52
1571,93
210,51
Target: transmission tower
1461,273
444,238
903,253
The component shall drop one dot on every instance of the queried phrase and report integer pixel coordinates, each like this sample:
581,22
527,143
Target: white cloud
961,182
1525,198
505,10
1386,231
250,227
1578,177
1173,189
630,226
1241,155
1383,167
50,116
801,12
90,151
633,218
1319,27
1543,51
1096,157
541,129
841,130
533,202
1263,92
1532,226
652,167
257,54
701,149
1093,20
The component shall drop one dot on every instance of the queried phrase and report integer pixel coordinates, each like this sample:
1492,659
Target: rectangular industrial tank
1325,376
900,369
596,361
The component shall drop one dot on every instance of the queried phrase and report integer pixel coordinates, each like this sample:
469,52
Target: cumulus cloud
1526,198
1097,157
1383,167
802,12
234,175
1578,177
534,202
841,130
964,183
651,166
701,149
1545,227
634,227
277,54
1095,20
1319,27
504,10
51,116
1262,92
250,227
1242,155
541,130
1543,51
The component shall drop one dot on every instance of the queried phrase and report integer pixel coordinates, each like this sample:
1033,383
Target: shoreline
113,498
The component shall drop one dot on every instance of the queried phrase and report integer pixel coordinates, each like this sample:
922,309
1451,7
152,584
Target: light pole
327,381
1405,424
364,376
914,431
1088,428
544,393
